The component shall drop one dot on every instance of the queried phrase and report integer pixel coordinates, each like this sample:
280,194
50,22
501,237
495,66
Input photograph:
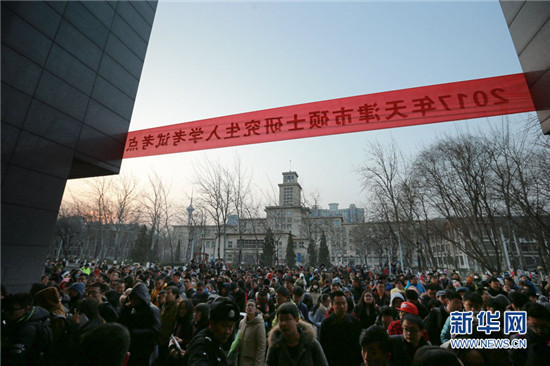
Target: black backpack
44,337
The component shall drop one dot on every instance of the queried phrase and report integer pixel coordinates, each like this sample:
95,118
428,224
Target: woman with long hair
251,340
183,331
320,309
183,327
366,310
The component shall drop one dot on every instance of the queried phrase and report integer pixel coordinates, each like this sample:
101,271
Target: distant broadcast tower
191,244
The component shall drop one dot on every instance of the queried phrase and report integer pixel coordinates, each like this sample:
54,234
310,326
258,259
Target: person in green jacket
86,269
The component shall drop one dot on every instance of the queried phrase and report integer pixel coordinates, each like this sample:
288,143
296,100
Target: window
229,244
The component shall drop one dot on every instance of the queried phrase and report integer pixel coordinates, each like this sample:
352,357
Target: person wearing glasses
538,337
404,346
26,332
106,310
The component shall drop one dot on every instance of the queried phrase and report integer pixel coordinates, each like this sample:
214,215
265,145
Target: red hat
408,307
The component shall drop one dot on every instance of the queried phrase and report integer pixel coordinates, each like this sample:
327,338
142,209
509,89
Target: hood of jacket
308,335
49,299
258,319
396,295
141,292
227,287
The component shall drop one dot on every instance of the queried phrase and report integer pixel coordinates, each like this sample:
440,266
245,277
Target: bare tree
243,205
381,177
123,209
158,211
69,231
93,204
415,216
215,189
455,173
522,165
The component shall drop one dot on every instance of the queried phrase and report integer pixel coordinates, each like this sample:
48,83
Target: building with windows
350,215
244,237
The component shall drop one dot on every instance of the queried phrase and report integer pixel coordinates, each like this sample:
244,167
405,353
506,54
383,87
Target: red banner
429,104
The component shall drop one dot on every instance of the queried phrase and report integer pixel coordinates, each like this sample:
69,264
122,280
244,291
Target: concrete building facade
70,73
529,25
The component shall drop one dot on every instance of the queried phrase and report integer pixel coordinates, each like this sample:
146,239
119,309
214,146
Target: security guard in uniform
207,347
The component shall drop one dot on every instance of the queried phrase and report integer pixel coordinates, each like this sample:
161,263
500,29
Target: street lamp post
400,249
190,210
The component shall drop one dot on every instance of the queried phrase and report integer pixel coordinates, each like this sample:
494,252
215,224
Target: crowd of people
213,315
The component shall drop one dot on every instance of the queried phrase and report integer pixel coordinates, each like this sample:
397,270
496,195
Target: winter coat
340,340
403,352
310,352
434,324
143,322
67,351
537,352
240,298
366,318
252,341
381,301
200,299
205,350
108,312
304,312
50,300
357,292
168,316
25,341
319,315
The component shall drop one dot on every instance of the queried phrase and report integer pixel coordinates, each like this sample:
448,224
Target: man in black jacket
537,338
201,295
207,347
404,346
495,287
437,317
143,321
27,333
375,346
340,334
357,289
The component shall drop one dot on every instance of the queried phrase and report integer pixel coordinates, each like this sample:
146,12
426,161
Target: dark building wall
529,24
70,73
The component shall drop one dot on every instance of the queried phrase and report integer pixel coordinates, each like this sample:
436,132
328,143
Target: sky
210,59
